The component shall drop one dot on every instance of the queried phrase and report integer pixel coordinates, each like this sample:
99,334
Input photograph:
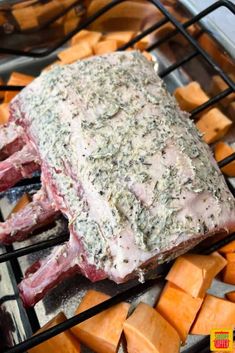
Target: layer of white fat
99,207
9,133
127,257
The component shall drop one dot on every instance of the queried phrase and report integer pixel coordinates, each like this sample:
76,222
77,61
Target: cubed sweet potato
231,296
16,79
223,150
102,332
194,273
218,85
230,247
121,37
65,342
147,331
215,313
4,113
1,92
174,303
90,37
76,52
190,96
26,18
229,271
21,203
214,125
106,46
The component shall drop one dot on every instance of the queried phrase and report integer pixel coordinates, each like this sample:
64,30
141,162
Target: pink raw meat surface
36,214
20,164
124,165
11,140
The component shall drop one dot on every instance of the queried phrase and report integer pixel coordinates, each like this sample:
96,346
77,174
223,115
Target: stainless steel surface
221,29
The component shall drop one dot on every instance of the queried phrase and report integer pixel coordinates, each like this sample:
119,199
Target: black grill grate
12,255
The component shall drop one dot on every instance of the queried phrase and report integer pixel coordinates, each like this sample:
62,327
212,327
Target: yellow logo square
221,340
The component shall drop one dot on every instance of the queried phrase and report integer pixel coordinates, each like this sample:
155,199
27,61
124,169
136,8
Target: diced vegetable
215,312
1,92
45,12
223,150
173,304
230,257
142,44
194,273
231,296
16,79
4,113
121,37
214,125
230,247
231,110
106,46
65,342
218,85
21,203
76,52
128,15
71,21
102,332
210,45
26,18
147,331
90,37
229,271
190,96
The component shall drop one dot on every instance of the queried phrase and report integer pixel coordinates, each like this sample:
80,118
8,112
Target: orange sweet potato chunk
230,257
142,44
214,125
74,53
21,203
147,331
102,332
121,37
231,296
106,46
173,304
229,271
215,312
223,150
4,113
194,273
65,342
1,92
91,37
190,96
16,79
230,247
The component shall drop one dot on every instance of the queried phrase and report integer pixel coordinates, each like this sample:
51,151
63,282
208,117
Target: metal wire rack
12,255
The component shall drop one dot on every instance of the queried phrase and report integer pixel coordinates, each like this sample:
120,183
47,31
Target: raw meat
36,214
124,165
20,164
11,140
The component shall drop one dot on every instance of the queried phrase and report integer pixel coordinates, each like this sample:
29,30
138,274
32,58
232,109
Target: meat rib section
11,140
19,165
123,164
36,214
